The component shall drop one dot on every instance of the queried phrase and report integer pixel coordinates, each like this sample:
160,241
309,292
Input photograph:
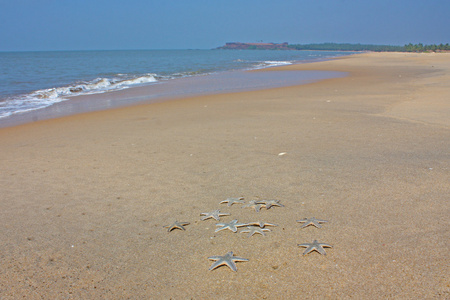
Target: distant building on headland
255,46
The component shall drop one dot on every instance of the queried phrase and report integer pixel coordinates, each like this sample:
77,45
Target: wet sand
85,198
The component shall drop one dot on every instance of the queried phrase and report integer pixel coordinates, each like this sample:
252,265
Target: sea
31,81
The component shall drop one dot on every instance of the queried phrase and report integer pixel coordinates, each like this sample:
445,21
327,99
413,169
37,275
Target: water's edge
218,83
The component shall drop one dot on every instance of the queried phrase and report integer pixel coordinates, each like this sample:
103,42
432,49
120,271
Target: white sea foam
46,97
271,63
278,63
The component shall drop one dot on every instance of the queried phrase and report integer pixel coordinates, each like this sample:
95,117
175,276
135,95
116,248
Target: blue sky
204,24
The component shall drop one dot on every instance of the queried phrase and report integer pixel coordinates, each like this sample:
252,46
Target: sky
37,25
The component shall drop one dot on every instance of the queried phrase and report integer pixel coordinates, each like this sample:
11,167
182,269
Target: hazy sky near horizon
204,24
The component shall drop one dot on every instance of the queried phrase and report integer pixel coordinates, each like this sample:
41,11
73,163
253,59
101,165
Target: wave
272,63
99,85
46,97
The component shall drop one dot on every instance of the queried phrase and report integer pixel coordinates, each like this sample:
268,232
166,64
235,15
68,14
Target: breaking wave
46,97
271,63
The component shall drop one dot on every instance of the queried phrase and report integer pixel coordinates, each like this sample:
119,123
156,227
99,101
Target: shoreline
208,84
175,88
85,197
71,83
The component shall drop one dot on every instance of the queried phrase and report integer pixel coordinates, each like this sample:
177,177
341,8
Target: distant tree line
376,48
426,48
345,47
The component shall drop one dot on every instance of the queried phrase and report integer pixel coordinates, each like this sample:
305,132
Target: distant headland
337,47
255,46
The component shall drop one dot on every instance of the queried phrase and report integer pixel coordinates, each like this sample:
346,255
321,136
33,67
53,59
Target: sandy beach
84,198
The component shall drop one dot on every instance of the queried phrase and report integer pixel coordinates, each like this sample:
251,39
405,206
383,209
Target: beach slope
84,198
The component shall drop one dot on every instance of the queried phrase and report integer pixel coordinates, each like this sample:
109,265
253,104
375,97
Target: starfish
269,203
232,201
311,221
255,204
261,224
314,246
228,259
255,229
231,225
216,214
176,224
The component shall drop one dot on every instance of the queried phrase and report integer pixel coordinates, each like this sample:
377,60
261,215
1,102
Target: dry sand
84,198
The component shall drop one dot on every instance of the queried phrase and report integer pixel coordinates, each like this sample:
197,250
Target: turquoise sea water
36,80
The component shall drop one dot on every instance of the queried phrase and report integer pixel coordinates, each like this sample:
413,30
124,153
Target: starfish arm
315,223
240,258
306,224
231,265
262,224
276,204
219,229
205,218
215,257
231,201
217,264
255,224
321,250
309,249
170,228
325,245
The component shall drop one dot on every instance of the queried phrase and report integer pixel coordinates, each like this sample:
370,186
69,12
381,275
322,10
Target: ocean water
36,80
